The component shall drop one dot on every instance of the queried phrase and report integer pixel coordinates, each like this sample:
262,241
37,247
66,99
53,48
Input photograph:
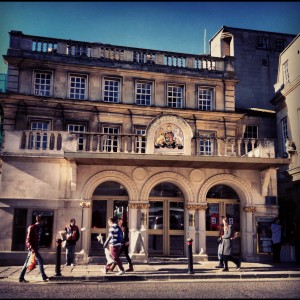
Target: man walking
32,242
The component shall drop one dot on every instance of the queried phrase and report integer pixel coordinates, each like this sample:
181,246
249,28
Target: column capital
251,209
196,207
139,205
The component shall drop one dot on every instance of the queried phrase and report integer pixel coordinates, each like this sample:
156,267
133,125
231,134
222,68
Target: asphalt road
173,289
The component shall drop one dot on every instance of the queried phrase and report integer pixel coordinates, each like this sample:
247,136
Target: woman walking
226,246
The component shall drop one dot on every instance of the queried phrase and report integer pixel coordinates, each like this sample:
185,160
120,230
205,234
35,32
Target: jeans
70,252
40,263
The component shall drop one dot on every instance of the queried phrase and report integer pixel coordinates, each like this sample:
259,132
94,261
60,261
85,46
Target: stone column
198,231
138,231
250,231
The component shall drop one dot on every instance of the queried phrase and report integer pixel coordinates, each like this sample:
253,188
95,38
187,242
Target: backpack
120,235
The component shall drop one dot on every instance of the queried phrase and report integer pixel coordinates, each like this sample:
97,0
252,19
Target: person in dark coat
72,236
125,244
32,242
226,246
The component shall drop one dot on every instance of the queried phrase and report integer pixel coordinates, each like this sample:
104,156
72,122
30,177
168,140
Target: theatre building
92,130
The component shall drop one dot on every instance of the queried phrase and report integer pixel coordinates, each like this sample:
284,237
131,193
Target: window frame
34,83
81,136
208,147
262,43
136,142
177,85
120,84
108,144
212,95
82,76
41,141
284,132
140,81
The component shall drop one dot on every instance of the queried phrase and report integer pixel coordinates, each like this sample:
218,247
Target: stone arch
163,121
238,184
101,177
181,182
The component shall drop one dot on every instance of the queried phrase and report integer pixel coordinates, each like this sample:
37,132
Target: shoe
105,270
238,266
23,280
121,273
225,270
219,267
72,265
130,269
46,279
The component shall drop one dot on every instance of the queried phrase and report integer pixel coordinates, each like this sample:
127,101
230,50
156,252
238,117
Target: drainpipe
225,133
131,127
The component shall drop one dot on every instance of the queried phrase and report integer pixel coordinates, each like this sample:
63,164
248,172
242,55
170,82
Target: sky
184,27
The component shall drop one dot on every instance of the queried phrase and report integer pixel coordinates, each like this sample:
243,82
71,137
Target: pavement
159,270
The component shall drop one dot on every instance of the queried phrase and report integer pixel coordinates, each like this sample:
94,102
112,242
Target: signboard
264,234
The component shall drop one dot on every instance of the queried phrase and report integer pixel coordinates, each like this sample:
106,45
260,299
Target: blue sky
169,26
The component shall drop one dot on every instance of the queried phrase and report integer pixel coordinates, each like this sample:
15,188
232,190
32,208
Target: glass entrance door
166,228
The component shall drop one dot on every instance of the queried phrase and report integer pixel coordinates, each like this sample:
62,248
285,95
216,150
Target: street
174,289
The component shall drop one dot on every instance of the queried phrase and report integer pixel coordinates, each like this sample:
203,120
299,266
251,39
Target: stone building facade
92,130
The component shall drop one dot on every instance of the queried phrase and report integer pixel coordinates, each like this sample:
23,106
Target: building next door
222,201
110,199
166,221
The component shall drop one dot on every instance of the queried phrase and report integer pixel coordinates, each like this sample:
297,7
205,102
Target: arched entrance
222,200
109,199
166,221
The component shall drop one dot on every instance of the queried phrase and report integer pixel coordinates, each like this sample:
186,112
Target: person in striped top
114,245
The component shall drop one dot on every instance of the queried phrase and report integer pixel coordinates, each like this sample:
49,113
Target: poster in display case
264,235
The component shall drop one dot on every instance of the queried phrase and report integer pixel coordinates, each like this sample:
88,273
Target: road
173,289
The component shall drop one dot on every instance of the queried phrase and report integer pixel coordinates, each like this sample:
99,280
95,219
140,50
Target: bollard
58,257
190,256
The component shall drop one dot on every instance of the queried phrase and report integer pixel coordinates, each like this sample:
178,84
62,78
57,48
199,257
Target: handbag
63,243
31,262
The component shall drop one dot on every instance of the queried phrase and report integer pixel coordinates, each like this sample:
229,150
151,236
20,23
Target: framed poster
264,235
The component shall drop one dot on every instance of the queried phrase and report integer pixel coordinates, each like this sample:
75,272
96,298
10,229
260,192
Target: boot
112,266
130,269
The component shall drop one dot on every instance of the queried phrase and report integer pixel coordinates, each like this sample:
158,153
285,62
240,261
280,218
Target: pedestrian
227,239
32,243
72,236
276,239
114,241
125,244
221,232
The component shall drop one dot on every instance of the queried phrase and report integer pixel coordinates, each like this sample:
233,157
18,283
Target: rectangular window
175,96
110,142
286,75
42,83
111,90
140,142
79,129
78,87
205,98
143,93
39,136
19,229
262,43
284,131
251,132
207,143
279,45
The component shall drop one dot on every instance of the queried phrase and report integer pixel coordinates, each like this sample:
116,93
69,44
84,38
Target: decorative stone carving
225,179
251,209
197,207
139,174
97,179
196,175
185,186
139,205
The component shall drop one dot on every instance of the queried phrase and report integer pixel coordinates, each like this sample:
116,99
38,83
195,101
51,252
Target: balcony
131,149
